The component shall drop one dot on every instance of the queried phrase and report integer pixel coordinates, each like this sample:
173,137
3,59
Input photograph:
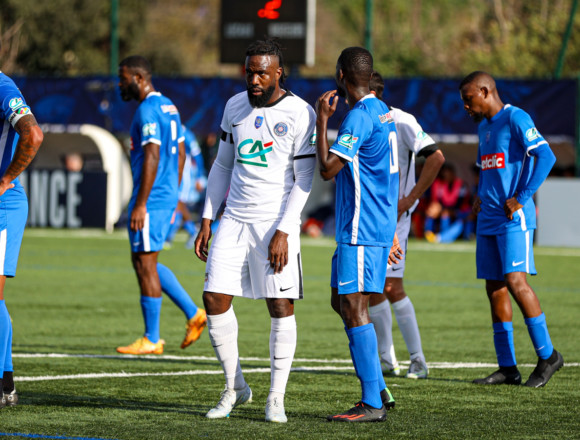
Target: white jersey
266,143
411,139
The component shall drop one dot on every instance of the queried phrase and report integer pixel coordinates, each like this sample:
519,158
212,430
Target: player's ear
485,92
279,72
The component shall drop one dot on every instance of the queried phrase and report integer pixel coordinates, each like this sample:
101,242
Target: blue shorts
359,268
13,215
497,255
154,232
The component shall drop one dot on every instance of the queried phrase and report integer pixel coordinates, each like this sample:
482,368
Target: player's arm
181,160
218,183
329,163
433,163
29,142
304,164
148,174
536,146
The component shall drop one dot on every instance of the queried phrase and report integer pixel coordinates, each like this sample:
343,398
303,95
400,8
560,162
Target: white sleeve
303,174
219,177
304,164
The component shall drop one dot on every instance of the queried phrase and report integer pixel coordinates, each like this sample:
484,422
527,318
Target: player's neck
494,109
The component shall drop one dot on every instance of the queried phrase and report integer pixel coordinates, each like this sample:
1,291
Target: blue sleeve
149,125
544,161
12,104
354,130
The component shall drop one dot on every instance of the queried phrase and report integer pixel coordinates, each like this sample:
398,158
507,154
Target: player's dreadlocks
356,62
270,46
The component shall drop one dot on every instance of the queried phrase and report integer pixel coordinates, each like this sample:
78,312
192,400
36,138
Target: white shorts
403,228
238,262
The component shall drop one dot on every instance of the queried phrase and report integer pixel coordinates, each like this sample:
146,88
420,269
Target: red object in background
269,10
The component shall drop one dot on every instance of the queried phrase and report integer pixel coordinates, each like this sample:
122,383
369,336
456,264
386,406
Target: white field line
414,245
122,374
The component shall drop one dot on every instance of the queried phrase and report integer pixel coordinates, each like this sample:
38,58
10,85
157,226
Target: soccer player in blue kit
363,160
157,158
514,159
20,139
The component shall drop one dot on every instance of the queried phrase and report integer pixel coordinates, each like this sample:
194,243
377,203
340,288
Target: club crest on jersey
15,103
280,129
252,152
492,161
532,134
347,141
149,129
258,121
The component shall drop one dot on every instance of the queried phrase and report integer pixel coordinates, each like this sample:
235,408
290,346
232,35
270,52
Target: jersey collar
498,114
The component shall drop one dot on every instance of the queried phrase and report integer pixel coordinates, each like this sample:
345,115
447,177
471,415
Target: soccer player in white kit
266,158
412,141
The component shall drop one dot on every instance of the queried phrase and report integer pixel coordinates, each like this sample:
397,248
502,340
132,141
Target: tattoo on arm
28,144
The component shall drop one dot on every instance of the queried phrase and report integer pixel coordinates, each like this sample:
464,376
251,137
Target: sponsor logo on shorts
149,129
532,134
280,129
515,264
15,103
258,121
340,283
253,152
492,161
347,140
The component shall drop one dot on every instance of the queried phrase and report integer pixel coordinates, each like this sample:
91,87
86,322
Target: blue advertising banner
435,103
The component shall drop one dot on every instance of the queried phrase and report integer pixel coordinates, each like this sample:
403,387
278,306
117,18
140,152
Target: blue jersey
507,143
367,188
157,121
13,107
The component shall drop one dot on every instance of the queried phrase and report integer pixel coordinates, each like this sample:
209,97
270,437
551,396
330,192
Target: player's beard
260,100
477,117
130,92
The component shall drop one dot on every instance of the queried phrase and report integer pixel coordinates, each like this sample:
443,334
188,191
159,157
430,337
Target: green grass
76,294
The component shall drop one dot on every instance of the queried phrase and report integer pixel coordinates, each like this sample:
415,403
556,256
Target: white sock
223,334
383,321
282,348
405,314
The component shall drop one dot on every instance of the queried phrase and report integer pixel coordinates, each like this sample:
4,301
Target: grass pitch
75,299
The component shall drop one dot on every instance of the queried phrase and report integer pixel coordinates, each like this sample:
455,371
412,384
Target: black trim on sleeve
304,156
428,151
224,137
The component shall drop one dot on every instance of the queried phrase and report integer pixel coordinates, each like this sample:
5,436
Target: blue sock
190,228
8,358
469,229
503,339
151,308
429,224
175,291
5,335
538,330
174,227
363,346
452,232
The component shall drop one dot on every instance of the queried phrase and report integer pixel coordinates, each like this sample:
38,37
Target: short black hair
355,63
269,46
472,77
137,62
377,84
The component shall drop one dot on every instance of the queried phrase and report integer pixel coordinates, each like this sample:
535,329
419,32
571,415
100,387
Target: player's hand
324,107
396,253
278,251
202,240
5,185
138,216
476,208
404,205
510,206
